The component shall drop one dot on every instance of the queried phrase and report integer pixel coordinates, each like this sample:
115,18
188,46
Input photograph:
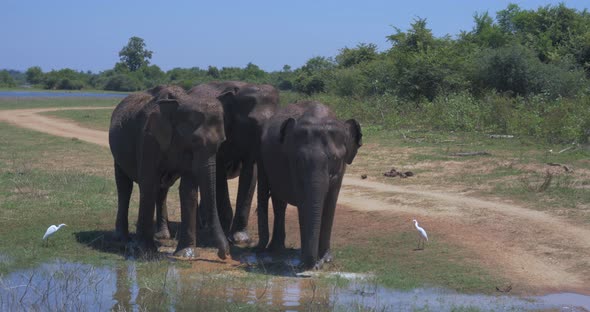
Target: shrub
457,112
348,82
121,82
516,69
309,84
6,80
69,84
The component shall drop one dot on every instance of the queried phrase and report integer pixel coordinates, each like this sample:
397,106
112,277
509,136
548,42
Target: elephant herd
297,154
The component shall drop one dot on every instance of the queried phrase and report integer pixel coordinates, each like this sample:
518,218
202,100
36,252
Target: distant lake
59,94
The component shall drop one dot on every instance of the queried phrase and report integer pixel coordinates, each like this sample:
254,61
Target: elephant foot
327,258
222,254
223,250
188,253
164,233
240,238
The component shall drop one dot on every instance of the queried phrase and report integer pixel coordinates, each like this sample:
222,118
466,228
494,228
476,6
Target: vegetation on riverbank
522,72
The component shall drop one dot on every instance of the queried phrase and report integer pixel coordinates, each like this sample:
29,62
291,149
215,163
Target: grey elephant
254,104
157,137
304,153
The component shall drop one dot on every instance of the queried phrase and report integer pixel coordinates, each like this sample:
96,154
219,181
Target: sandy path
533,249
31,119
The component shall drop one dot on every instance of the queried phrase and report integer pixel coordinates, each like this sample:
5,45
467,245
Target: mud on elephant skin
304,153
157,137
243,118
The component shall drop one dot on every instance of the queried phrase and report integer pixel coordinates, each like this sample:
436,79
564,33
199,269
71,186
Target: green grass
514,169
48,180
396,264
35,193
21,103
35,89
98,119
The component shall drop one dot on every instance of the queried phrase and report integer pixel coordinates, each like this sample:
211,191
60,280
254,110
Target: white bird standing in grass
50,231
423,237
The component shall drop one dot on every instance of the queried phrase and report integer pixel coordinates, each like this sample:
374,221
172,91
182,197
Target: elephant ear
228,99
286,126
160,123
355,140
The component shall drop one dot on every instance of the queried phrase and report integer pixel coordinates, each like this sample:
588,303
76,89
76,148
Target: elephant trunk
207,180
314,186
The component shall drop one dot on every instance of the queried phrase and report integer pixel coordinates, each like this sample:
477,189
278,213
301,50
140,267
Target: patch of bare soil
30,119
538,252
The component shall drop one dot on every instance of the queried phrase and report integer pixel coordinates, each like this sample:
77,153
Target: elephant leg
278,232
162,231
311,209
124,190
224,208
262,209
207,184
187,242
327,222
246,186
145,219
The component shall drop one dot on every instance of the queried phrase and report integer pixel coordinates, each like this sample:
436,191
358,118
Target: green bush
348,82
34,75
68,84
309,84
122,82
516,69
6,80
566,121
457,112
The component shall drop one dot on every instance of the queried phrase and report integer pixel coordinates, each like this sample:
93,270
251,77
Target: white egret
50,231
423,237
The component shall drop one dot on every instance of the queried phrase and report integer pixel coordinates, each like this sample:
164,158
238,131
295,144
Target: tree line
512,72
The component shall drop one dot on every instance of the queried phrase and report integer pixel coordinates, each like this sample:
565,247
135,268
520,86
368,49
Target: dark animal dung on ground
394,173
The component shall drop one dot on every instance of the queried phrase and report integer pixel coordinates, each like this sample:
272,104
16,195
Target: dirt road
536,251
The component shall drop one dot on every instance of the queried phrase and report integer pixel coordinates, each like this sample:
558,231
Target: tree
213,72
253,73
362,53
417,39
135,55
311,77
34,75
6,80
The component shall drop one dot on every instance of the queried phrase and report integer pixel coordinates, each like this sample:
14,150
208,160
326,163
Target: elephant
157,137
304,153
243,119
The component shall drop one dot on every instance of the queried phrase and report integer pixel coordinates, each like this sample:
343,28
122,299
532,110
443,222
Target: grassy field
94,119
515,168
48,180
22,103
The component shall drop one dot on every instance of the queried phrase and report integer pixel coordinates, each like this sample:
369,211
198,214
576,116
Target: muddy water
61,286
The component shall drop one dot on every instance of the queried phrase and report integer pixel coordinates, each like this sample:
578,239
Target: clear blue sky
88,35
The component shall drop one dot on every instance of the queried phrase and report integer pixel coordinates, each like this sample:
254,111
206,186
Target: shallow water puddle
62,286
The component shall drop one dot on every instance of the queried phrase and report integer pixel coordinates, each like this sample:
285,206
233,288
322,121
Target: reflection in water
58,286
61,286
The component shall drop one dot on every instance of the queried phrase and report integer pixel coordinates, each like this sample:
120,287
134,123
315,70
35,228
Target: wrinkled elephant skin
304,153
157,137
